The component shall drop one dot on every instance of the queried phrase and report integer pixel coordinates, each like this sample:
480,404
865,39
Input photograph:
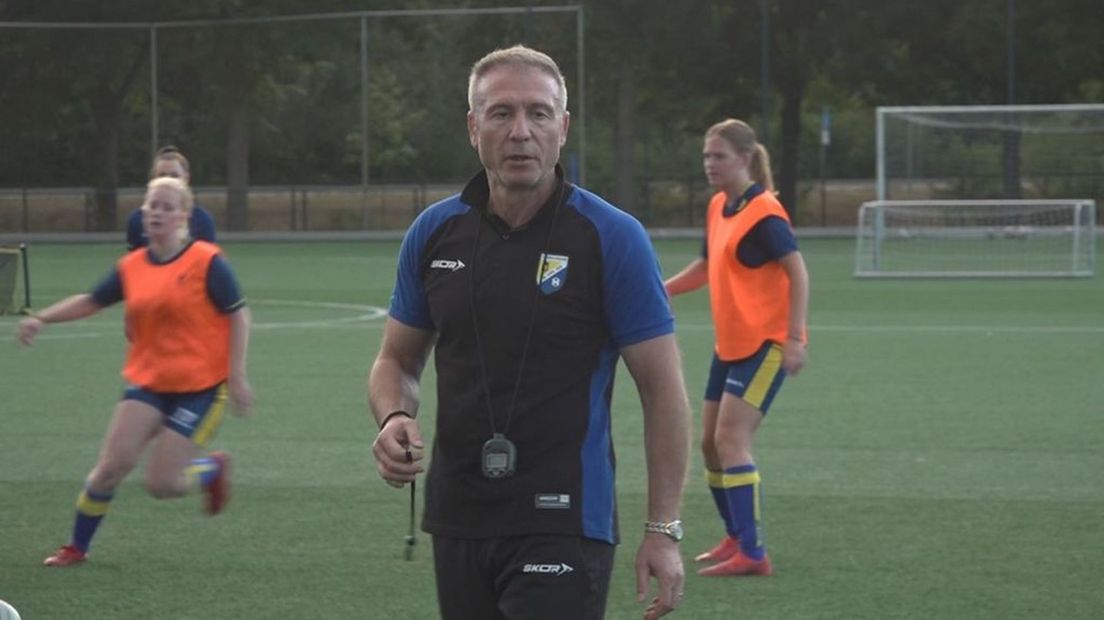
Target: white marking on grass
366,314
938,329
369,313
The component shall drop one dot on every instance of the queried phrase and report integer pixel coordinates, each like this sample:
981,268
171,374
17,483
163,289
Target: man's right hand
398,438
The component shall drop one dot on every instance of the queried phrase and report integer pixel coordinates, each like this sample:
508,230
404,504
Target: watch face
676,530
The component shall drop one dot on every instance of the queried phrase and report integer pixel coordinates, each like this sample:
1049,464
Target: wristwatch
672,530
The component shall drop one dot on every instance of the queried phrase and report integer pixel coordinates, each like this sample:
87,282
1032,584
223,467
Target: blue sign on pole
826,126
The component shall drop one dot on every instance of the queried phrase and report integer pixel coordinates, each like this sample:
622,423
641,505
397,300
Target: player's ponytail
760,168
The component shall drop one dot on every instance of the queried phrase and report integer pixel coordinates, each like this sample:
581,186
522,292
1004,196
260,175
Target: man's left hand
658,556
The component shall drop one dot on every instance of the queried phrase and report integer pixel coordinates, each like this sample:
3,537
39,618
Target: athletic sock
720,498
741,485
202,471
91,508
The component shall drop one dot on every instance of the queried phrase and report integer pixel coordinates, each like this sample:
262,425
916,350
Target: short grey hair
518,55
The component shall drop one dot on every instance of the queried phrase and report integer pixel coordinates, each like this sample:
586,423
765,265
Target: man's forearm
667,448
391,389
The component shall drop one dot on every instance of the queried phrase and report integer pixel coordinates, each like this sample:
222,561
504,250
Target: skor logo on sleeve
551,272
450,265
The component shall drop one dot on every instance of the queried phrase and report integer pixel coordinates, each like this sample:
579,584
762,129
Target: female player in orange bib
759,293
189,332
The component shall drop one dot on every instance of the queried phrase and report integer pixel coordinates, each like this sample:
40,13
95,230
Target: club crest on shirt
551,272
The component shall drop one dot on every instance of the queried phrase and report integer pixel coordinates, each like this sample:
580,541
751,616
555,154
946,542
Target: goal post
976,238
15,280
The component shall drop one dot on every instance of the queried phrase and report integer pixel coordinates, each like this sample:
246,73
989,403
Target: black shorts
522,577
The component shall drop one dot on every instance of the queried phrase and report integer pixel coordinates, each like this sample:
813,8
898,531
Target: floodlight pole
155,128
579,28
764,69
1011,52
364,113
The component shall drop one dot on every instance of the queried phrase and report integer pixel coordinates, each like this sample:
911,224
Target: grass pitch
938,458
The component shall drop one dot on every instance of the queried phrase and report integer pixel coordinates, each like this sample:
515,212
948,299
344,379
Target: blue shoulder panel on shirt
109,290
136,237
635,301
201,225
408,301
222,286
769,240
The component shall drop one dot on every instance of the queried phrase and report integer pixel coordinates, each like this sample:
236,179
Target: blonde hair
517,55
741,137
169,153
187,200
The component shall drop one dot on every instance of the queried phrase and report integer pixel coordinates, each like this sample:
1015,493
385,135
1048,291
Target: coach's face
517,126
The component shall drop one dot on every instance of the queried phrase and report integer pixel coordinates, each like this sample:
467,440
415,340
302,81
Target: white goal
976,238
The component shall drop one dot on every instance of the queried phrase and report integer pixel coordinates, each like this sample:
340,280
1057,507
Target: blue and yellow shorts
755,379
195,415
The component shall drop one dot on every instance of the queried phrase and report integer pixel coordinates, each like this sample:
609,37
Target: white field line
937,329
365,315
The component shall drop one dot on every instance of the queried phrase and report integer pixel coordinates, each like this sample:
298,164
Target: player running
189,331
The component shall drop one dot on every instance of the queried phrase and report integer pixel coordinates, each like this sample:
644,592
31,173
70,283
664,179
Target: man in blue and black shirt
530,289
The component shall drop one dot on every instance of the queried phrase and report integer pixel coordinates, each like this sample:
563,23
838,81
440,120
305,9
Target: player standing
759,293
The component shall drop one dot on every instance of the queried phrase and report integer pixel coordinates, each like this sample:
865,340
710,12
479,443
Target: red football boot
68,555
218,492
728,547
739,565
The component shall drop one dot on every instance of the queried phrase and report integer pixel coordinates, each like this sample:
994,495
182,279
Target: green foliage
75,105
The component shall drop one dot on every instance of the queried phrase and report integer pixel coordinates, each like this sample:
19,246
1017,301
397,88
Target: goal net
982,152
15,291
976,238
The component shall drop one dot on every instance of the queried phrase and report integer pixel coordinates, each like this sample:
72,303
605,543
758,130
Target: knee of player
163,487
109,474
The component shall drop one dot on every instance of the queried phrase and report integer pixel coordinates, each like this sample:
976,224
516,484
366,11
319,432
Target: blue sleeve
408,301
109,291
202,225
222,286
775,237
635,301
705,248
134,236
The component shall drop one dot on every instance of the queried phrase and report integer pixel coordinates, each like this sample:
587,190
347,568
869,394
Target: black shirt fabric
593,276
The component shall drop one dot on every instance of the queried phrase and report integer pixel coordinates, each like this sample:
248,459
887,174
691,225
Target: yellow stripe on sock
764,376
212,420
739,480
714,478
88,506
193,472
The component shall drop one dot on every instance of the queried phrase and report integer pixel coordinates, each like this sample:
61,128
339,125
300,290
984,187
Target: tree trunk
625,140
106,172
106,104
237,165
793,93
237,90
